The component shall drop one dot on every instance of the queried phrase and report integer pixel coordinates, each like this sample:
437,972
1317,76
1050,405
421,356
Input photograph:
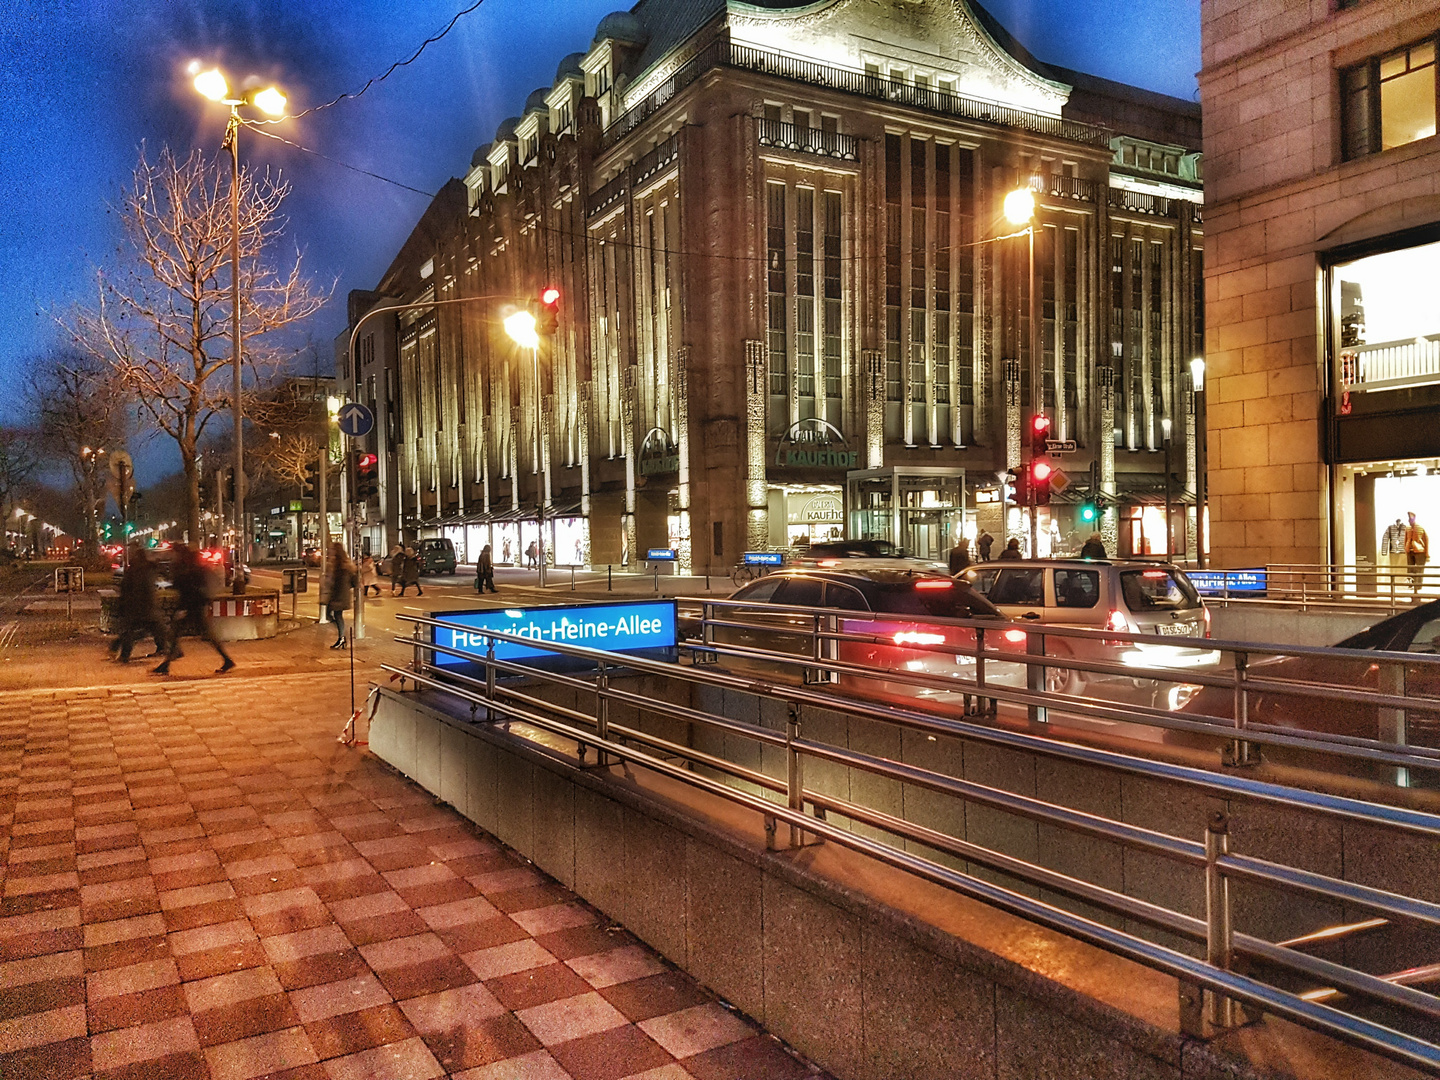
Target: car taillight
1206,612
917,637
935,583
828,562
1118,621
1014,637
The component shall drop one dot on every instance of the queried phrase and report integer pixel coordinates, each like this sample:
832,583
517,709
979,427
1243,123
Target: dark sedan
1416,632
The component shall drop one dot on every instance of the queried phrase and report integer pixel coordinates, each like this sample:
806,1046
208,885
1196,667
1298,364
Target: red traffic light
550,296
1039,434
1041,424
367,461
1040,471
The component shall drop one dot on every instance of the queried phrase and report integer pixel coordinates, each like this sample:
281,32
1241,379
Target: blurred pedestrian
485,571
1012,551
530,553
410,572
396,568
339,590
1417,551
1094,548
960,556
984,542
192,607
368,577
137,608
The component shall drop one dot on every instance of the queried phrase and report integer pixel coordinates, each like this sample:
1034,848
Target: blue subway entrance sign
764,558
1229,582
640,628
661,555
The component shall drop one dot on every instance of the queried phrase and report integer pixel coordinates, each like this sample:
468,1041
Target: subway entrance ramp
894,889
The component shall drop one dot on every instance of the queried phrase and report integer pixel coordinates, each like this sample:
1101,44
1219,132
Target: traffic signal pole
321,490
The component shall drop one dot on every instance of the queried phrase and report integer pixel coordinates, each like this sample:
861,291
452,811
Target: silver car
1092,594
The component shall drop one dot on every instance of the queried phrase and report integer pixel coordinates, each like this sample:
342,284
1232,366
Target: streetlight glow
212,84
1197,372
1020,206
521,328
270,101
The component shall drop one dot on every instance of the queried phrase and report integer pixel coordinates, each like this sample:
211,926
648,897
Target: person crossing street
192,609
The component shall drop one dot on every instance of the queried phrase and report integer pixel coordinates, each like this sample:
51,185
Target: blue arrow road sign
355,419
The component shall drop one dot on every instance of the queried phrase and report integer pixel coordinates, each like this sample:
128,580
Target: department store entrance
919,508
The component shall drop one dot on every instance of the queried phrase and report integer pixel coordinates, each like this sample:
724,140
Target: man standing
984,542
1417,552
960,556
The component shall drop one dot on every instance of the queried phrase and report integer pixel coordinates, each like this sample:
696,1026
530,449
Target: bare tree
18,465
82,412
162,321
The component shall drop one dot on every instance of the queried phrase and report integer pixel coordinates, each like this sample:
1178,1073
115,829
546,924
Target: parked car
222,560
436,555
310,556
902,612
877,554
1415,632
1129,597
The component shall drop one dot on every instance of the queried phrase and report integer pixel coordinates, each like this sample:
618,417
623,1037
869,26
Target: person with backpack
192,608
485,571
339,590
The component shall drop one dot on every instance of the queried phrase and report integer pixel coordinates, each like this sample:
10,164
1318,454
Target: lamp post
521,327
1019,209
213,85
1197,382
1169,532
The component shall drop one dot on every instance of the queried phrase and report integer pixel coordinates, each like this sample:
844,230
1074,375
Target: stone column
628,390
1110,519
757,523
587,391
680,381
874,409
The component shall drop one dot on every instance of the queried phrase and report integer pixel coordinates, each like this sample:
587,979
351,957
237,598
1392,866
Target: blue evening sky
83,84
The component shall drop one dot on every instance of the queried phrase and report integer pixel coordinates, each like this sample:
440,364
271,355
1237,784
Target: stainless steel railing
1240,974
1395,586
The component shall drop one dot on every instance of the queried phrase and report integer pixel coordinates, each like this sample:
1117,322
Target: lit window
1388,101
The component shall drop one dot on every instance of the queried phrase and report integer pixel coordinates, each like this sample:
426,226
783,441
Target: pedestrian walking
192,608
960,556
396,568
339,590
984,542
137,607
1094,548
485,571
530,553
410,572
369,579
1417,551
1012,551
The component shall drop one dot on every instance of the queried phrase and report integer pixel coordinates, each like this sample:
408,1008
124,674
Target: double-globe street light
213,85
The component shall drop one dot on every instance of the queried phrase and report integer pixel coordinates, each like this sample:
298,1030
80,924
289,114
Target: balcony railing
1391,365
1141,202
722,53
808,140
1070,187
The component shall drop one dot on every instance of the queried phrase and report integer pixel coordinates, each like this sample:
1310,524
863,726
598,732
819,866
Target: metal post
321,485
1202,540
539,467
794,771
1393,725
1218,931
602,715
242,546
1037,385
1239,750
1169,508
1035,676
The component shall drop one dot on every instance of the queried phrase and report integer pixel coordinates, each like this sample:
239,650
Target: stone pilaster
757,524
628,389
1110,518
680,381
874,409
587,391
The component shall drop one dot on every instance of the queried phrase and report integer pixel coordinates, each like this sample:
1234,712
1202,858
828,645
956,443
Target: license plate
1177,629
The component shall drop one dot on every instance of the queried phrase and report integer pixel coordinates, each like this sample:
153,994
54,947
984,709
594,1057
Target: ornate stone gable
937,39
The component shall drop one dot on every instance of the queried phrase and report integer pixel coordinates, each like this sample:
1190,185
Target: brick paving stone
197,882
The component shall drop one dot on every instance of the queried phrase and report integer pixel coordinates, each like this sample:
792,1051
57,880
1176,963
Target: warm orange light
915,637
550,296
1014,637
935,583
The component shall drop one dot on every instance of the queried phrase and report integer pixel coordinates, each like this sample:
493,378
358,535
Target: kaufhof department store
792,308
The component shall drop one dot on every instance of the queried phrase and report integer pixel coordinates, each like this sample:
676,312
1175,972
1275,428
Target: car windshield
1157,590
933,596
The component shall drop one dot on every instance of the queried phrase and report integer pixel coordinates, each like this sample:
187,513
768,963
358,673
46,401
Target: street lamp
1197,384
213,85
1165,426
521,327
1019,209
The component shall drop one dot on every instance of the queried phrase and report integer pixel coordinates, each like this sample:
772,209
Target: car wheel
1061,680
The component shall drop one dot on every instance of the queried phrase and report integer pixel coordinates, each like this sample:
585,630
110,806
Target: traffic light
547,312
1039,435
366,486
312,478
1040,482
1089,512
1019,481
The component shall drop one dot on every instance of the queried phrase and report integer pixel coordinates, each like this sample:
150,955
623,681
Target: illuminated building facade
1323,223
791,308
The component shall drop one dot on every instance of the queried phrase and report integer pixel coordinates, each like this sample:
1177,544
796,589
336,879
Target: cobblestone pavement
197,880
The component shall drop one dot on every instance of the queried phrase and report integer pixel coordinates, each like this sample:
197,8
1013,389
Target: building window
1388,100
805,290
832,296
775,263
893,344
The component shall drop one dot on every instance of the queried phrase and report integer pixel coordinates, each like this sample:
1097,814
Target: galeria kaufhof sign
635,628
814,444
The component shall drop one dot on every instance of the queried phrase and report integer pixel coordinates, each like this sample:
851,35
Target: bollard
609,577
794,772
1219,937
572,577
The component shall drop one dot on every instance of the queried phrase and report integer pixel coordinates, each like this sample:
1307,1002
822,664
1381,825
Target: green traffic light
1087,512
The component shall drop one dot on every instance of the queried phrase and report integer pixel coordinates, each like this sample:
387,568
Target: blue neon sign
1228,582
764,558
642,627
661,555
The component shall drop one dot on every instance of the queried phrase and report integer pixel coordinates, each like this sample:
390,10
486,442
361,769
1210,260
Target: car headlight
1180,695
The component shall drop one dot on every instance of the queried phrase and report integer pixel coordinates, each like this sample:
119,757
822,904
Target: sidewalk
197,880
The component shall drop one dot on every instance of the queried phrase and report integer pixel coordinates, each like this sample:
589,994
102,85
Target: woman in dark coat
411,573
485,571
340,590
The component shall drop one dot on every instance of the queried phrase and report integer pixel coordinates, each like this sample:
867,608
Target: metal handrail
1219,865
1315,583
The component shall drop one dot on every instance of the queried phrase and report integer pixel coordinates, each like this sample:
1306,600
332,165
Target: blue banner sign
661,555
764,558
645,627
1228,582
